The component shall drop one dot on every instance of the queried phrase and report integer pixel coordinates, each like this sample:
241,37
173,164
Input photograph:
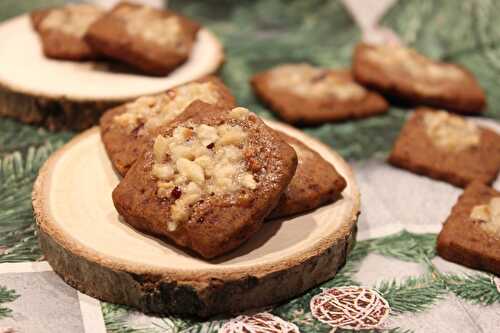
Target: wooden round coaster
72,95
95,251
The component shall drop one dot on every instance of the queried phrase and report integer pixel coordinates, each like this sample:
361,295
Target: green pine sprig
115,319
475,288
6,296
406,246
17,233
414,294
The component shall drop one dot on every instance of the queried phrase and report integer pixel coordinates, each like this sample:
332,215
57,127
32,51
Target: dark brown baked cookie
208,180
152,40
62,30
301,93
471,234
315,183
126,128
448,147
409,76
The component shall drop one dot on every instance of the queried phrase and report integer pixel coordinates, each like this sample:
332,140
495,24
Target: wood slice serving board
93,250
72,95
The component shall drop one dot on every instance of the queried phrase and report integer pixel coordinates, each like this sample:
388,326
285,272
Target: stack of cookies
152,41
205,173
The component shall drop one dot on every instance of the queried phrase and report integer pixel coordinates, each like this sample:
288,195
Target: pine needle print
17,233
414,294
477,288
115,319
6,296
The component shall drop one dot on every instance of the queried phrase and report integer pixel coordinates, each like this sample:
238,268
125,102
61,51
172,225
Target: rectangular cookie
304,94
471,234
407,75
62,30
152,40
447,147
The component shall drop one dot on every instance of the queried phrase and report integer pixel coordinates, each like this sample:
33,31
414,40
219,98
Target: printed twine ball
260,323
350,308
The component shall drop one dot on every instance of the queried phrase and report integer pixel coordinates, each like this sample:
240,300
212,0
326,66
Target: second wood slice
72,95
92,249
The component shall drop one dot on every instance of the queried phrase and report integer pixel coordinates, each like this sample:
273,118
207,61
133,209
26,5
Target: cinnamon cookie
471,234
315,183
62,29
447,147
152,40
126,128
301,93
208,180
408,75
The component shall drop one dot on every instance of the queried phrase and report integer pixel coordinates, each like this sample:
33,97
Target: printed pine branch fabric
394,259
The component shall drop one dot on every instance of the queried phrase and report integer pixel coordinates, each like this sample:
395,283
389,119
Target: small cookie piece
471,234
301,93
62,30
315,183
126,128
447,147
406,74
152,40
208,180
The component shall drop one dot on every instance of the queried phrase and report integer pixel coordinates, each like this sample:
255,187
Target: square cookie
207,180
471,234
407,75
304,94
151,40
62,30
447,147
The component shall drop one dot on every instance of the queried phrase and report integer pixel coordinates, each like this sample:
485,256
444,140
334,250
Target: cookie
304,94
471,234
315,183
62,31
152,40
208,180
409,76
447,147
126,128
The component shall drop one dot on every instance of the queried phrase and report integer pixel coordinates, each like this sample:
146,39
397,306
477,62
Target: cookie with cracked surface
151,40
404,73
447,147
126,128
304,94
208,180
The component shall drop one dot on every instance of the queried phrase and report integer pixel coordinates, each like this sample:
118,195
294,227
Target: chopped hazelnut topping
154,111
152,26
489,215
414,64
308,81
73,20
186,170
450,132
239,113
